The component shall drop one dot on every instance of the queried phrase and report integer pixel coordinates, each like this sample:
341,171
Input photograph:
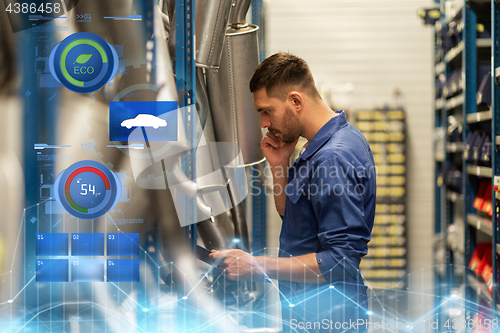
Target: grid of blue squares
82,269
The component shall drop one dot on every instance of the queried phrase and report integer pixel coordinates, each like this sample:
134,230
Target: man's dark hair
281,72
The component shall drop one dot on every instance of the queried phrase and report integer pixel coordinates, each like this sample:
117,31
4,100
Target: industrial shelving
455,206
385,266
186,80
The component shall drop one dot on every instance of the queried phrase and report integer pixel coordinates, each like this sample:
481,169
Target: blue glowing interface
123,244
52,270
87,244
87,270
51,244
123,270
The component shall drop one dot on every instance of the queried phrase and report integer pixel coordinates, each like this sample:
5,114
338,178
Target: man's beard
291,128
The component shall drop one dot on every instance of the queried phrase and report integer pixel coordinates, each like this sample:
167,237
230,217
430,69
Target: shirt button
320,261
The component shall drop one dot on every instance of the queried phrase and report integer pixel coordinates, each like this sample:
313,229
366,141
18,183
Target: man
327,205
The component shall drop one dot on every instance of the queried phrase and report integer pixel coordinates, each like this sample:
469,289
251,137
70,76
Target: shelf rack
186,81
495,132
478,226
386,262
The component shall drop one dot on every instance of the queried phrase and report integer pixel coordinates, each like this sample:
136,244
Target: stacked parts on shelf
483,200
452,177
480,263
385,266
478,148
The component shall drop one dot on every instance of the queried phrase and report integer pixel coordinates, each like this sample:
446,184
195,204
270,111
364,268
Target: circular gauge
87,190
83,62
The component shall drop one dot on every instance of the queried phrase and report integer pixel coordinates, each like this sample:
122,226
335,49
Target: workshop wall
360,51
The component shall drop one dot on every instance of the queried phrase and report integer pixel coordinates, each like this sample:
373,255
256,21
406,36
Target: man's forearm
280,180
297,269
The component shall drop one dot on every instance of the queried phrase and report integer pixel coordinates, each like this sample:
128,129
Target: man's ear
296,99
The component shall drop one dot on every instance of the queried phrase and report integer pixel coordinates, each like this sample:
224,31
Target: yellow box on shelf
397,169
386,252
396,158
364,126
382,191
379,126
397,191
382,180
385,284
396,148
378,148
381,218
391,263
398,219
390,208
396,114
378,137
378,115
389,240
364,115
395,230
396,180
379,159
395,126
384,273
397,208
382,169
381,208
396,136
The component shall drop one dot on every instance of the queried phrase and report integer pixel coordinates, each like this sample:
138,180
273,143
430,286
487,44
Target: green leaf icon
83,58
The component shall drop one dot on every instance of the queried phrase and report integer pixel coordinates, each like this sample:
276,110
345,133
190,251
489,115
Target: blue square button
87,270
52,270
48,244
122,244
123,270
87,244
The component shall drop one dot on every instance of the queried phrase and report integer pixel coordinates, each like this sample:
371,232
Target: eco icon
83,62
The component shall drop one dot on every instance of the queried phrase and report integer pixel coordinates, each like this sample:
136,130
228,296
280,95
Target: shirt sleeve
339,209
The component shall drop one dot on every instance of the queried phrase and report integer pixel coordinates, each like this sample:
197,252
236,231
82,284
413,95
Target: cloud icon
144,120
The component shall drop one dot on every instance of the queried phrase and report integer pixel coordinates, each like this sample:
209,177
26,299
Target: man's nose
264,121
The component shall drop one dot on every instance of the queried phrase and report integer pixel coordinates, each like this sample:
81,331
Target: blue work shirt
330,209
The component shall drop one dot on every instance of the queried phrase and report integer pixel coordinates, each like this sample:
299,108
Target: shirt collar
324,133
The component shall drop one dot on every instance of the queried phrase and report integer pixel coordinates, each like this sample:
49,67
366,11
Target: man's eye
267,112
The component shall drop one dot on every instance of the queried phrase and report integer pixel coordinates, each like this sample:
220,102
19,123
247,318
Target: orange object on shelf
487,206
480,194
485,260
487,276
477,257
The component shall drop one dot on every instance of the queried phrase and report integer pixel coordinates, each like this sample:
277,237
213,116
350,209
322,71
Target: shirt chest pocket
298,209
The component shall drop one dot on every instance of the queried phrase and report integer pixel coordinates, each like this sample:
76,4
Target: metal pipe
203,106
211,21
239,13
231,101
216,232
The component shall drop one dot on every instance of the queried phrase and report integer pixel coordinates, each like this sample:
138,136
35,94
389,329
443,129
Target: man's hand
276,151
238,265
